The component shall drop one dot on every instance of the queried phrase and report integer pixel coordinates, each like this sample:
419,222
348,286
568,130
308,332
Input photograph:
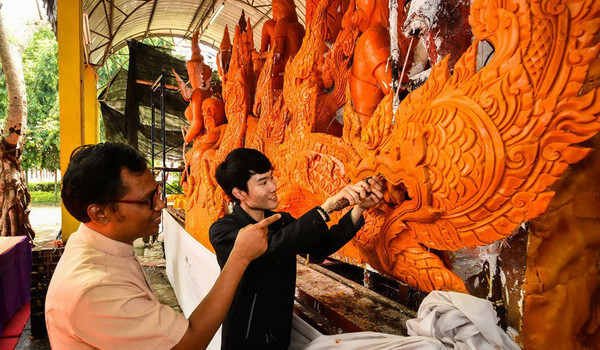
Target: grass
44,198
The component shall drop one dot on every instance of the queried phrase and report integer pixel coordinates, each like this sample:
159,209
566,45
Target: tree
40,65
14,197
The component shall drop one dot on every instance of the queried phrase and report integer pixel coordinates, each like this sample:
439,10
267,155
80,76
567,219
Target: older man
99,296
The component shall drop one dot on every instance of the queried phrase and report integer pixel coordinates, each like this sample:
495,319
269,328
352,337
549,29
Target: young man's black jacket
260,316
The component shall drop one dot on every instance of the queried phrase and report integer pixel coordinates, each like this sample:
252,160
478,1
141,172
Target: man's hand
251,241
366,194
376,193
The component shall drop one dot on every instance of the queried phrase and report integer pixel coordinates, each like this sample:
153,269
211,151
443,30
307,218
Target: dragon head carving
472,153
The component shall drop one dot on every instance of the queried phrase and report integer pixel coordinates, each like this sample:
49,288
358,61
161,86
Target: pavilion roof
113,22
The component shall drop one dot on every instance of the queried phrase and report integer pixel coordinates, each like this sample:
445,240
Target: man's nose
273,184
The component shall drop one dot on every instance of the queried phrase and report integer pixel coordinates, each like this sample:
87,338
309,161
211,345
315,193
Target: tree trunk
14,197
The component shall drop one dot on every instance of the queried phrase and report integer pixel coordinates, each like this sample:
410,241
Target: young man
99,296
261,313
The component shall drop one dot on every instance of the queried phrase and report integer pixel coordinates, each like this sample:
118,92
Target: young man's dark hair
105,161
238,167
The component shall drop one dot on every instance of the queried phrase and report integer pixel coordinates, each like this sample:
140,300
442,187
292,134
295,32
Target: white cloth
460,321
446,320
373,341
99,297
192,269
302,333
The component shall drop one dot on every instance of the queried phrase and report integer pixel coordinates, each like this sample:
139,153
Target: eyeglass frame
155,196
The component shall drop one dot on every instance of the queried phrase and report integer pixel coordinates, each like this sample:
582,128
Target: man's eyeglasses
154,197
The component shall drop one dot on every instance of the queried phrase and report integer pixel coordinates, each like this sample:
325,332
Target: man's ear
98,214
239,194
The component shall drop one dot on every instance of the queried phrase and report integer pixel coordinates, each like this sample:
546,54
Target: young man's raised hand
364,194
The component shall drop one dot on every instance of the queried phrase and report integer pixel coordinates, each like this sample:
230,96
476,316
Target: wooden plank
347,306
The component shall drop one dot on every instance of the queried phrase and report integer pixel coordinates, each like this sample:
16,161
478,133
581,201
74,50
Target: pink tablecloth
15,276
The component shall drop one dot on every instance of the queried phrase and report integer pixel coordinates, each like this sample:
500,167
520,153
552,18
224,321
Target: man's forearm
210,313
356,214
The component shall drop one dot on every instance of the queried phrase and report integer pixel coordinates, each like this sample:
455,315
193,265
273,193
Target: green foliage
114,62
44,197
40,68
41,187
174,183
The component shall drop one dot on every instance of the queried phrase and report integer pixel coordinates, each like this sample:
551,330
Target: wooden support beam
91,126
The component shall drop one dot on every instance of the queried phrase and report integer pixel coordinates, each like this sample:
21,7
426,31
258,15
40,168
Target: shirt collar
244,218
104,244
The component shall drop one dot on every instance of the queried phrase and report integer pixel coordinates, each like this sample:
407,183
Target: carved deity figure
214,123
333,19
283,34
200,76
371,74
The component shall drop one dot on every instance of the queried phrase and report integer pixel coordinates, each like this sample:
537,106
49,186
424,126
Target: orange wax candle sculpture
283,34
467,157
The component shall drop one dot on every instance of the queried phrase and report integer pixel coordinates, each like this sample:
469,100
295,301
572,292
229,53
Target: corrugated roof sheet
113,22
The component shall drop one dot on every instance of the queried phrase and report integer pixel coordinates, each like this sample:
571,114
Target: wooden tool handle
339,205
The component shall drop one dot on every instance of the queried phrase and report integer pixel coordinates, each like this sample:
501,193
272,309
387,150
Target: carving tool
343,203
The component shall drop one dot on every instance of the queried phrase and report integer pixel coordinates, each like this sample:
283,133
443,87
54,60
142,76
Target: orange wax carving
333,18
205,200
200,76
224,55
467,157
283,34
371,75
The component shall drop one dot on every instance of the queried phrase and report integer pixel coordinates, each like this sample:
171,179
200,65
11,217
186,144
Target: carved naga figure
238,91
316,78
467,157
283,35
471,155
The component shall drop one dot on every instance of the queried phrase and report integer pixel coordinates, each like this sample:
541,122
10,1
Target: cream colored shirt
99,297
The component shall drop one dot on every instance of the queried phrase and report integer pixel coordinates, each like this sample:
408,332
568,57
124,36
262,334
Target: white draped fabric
460,321
192,269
